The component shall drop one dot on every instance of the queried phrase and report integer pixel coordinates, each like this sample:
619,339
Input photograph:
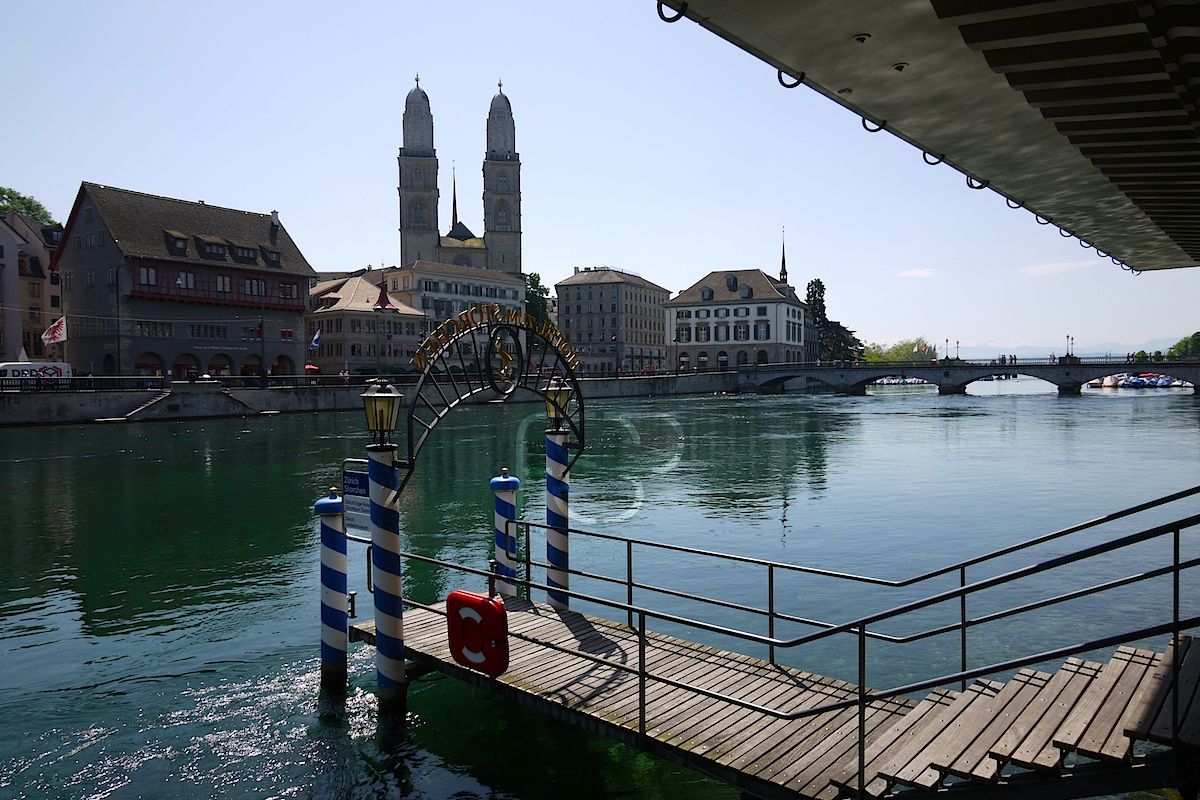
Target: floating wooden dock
1067,734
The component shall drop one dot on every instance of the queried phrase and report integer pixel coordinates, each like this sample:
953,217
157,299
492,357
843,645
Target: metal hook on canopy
1117,261
1101,253
785,84
925,158
678,16
1040,220
867,127
975,183
1084,245
1009,202
1063,232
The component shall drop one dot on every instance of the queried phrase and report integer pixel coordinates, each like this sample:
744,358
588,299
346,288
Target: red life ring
477,627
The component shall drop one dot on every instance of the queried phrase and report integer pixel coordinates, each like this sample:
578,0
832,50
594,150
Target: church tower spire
783,257
453,196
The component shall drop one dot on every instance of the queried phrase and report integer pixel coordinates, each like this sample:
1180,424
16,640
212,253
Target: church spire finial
418,80
454,195
500,85
783,255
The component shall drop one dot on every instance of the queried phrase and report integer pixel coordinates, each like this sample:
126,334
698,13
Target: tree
918,349
814,298
537,298
12,200
1187,346
840,343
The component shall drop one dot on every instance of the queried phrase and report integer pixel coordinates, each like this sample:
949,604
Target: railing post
862,710
1175,650
629,580
558,491
642,672
334,622
771,608
528,566
962,623
390,677
505,488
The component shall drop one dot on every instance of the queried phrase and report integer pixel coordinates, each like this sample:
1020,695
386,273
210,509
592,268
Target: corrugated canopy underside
1083,111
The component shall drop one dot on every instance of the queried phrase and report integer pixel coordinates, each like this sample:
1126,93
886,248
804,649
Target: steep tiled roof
139,224
607,275
762,285
352,294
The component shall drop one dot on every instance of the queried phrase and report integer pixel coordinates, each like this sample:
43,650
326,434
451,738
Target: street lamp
558,394
382,401
384,303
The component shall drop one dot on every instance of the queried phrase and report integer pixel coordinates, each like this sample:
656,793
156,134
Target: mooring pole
390,678
558,492
505,487
333,594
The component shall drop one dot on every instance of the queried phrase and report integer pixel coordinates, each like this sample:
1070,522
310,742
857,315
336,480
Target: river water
159,582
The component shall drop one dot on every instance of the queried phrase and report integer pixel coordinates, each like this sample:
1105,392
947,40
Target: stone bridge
952,375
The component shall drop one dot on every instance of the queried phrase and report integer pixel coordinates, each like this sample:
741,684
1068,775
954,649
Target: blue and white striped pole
558,493
390,678
505,486
333,593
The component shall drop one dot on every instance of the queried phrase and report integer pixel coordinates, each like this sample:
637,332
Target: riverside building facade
731,318
38,292
157,286
356,335
615,320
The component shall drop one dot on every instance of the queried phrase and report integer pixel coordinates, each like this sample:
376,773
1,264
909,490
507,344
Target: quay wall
209,399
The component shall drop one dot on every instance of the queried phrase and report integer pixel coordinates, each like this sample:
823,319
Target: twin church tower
500,246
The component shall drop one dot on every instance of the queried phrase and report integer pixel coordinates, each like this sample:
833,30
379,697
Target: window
703,313
721,312
154,330
762,330
55,280
287,335
214,250
55,301
761,311
87,214
741,312
502,182
418,176
418,213
731,282
147,276
179,245
254,287
243,253
741,331
271,257
35,290
502,215
287,290
91,277
747,292
224,284
186,280
721,333
706,293
251,332
702,332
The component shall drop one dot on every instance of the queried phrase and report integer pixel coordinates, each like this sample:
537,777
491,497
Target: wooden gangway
1014,736
1043,724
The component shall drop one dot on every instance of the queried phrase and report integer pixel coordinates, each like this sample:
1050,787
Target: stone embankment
209,399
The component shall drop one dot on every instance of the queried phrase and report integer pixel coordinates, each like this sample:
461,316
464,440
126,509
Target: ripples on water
158,591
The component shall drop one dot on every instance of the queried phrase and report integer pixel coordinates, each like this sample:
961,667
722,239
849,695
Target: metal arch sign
489,349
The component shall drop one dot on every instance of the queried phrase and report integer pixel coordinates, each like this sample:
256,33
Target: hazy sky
655,148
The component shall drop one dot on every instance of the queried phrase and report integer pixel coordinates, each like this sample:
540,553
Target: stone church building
499,248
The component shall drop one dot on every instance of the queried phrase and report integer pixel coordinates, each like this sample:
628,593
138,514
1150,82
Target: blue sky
654,148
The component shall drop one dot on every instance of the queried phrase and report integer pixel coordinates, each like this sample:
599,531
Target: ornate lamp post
382,403
558,491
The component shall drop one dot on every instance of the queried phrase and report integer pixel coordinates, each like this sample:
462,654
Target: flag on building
57,332
316,342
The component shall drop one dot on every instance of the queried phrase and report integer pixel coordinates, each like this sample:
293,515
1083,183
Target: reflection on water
158,584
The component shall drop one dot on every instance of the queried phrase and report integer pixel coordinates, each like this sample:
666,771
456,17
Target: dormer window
271,257
747,292
176,242
211,247
246,255
706,293
731,282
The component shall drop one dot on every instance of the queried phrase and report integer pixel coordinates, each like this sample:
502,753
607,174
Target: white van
34,369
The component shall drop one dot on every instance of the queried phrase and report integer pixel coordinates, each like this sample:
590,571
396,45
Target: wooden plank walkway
993,734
